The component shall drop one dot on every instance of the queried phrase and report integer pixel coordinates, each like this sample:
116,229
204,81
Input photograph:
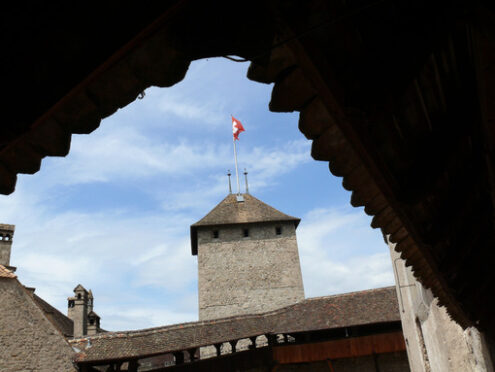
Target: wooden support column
218,347
375,360
192,354
179,357
330,365
133,366
253,343
272,339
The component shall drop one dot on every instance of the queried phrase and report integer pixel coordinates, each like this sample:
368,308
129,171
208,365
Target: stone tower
248,261
79,306
6,236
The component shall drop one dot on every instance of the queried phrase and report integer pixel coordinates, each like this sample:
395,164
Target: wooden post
133,365
330,365
218,347
192,354
179,357
233,345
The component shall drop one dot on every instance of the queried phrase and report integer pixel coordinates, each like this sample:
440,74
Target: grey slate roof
230,212
322,313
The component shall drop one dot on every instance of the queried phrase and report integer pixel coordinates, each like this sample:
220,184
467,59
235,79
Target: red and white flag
237,128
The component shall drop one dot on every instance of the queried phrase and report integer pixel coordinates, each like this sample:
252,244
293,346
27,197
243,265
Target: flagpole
236,170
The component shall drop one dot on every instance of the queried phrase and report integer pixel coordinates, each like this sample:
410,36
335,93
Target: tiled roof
6,273
345,310
229,211
62,322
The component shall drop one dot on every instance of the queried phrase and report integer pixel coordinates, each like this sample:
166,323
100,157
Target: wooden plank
338,349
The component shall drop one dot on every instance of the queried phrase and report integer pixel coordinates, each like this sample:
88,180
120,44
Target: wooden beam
338,349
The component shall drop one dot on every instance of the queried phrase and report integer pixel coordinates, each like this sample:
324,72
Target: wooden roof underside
396,96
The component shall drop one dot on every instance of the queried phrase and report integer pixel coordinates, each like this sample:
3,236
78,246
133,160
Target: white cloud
127,154
206,112
340,252
135,317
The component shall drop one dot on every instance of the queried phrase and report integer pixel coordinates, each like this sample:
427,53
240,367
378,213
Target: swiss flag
237,128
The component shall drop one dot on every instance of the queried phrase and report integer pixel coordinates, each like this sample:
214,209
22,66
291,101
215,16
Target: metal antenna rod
245,177
236,170
230,185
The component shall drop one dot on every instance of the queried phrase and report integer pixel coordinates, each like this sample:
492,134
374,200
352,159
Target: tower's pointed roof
80,288
230,211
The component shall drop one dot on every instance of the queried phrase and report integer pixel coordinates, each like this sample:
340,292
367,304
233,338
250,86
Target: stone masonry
248,267
6,236
435,343
80,311
28,340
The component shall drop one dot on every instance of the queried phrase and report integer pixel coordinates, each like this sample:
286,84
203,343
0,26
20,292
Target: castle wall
435,343
28,340
246,275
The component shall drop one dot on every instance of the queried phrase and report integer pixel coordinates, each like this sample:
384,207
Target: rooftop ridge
147,331
369,290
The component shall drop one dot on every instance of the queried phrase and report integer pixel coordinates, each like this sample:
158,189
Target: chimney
93,323
6,236
78,311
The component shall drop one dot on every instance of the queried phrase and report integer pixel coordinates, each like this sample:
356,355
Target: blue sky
114,215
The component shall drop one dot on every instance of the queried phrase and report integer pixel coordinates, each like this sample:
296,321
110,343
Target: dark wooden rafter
336,140
159,55
400,203
82,108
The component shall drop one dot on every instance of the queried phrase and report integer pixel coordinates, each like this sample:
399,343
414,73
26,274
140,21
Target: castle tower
248,261
6,236
93,323
78,311
90,301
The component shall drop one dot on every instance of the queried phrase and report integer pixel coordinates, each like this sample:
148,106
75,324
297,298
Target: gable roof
231,212
6,273
59,320
79,287
362,308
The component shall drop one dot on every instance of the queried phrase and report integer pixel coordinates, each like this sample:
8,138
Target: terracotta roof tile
6,273
322,313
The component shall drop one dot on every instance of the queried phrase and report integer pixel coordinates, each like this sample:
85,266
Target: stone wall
245,275
6,236
28,340
5,247
435,343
